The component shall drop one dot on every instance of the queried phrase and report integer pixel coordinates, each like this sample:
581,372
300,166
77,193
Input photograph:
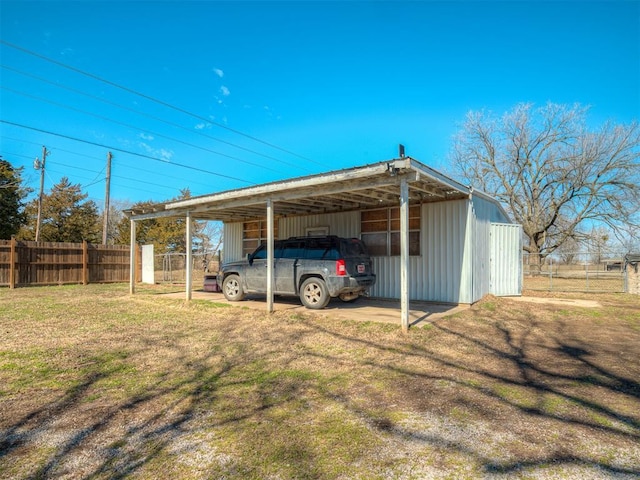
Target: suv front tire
232,288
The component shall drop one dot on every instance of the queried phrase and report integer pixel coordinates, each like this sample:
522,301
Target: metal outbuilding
431,238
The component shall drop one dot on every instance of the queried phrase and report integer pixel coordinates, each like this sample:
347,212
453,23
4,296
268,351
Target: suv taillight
341,268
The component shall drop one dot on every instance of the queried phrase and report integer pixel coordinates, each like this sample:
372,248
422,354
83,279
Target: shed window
380,231
254,233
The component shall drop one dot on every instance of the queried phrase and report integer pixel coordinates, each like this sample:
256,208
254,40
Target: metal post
586,269
132,259
270,245
189,257
404,254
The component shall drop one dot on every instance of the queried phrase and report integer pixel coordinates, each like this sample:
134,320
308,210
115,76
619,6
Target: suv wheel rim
232,288
312,293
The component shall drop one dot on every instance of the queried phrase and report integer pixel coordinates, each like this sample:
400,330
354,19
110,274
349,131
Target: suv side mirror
249,259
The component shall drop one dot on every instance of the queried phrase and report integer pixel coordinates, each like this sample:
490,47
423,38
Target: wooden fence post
85,263
12,263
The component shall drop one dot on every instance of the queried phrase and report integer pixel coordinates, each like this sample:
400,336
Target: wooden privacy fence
52,263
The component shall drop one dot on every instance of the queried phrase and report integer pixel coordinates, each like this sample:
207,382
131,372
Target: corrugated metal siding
455,261
506,259
232,247
345,224
480,245
437,274
484,214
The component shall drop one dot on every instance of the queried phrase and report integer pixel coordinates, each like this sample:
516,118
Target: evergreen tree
12,194
168,235
66,216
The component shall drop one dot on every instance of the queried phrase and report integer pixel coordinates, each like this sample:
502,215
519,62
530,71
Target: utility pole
105,225
40,166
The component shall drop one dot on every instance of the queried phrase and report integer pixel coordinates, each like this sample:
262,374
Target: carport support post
132,259
189,260
270,245
404,254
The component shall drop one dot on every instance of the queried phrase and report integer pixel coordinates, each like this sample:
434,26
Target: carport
398,182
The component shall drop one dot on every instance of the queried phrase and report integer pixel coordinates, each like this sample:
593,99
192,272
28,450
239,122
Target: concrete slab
364,309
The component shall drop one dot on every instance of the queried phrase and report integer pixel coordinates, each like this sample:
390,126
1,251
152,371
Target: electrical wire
117,149
153,117
95,179
107,119
155,100
54,148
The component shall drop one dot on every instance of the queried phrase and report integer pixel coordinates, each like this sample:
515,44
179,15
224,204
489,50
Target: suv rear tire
314,293
232,288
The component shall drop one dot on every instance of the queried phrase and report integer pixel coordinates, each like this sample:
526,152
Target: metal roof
358,188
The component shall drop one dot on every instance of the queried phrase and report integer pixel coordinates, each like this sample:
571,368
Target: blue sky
301,87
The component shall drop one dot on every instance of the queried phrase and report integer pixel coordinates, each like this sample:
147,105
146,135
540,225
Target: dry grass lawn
95,384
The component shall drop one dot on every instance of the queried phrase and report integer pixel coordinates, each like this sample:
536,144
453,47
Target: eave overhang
358,188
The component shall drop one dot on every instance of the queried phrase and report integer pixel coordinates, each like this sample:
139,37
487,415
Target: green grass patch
489,306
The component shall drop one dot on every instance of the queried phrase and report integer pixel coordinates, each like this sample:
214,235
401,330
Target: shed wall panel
435,275
346,224
486,258
232,246
455,261
506,259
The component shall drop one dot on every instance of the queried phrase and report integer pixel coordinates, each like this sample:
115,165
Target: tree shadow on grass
121,437
256,391
533,377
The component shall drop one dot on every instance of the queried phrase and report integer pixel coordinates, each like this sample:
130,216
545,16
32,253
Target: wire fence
575,272
171,267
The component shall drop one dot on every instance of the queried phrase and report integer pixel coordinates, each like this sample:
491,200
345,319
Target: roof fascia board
437,176
157,214
328,187
287,185
457,186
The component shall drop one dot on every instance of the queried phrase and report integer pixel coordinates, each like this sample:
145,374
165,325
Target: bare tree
569,250
552,172
598,244
213,233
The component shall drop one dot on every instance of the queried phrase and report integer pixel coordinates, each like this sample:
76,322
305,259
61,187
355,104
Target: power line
95,180
92,181
54,148
125,151
153,117
107,119
99,199
155,100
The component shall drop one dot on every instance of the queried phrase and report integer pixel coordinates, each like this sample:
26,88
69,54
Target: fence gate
598,272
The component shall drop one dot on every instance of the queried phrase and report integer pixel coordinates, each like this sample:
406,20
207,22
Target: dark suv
313,268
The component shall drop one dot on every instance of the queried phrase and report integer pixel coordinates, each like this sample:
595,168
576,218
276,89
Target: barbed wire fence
575,272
